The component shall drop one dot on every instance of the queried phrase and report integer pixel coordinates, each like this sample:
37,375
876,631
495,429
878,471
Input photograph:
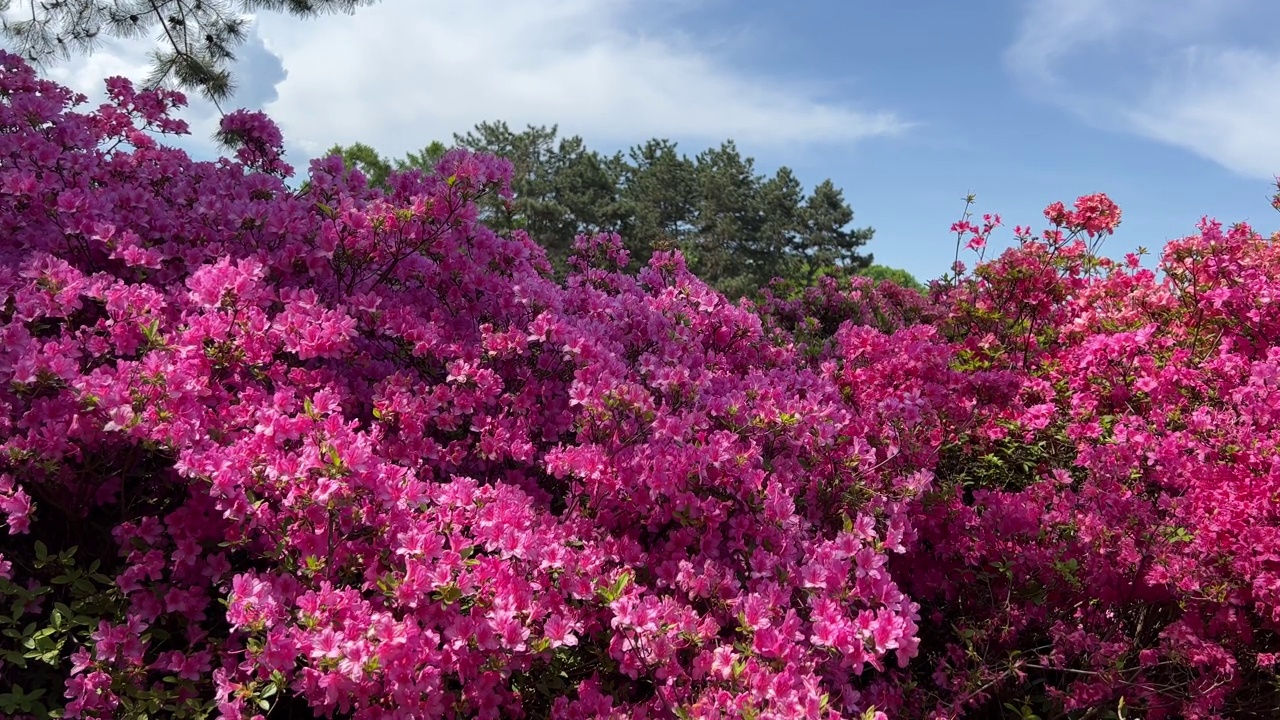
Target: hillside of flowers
346,452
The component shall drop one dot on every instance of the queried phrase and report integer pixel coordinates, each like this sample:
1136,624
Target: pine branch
196,38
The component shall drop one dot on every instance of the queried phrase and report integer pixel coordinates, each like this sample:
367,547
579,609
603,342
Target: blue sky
1170,107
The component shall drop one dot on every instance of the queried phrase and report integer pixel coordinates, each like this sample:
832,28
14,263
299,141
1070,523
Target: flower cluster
1107,538
349,449
349,452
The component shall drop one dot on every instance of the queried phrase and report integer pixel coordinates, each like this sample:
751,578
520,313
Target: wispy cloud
1222,105
405,72
1194,74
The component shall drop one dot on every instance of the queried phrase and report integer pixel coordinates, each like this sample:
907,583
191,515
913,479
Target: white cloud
1195,74
404,72
1222,105
1050,29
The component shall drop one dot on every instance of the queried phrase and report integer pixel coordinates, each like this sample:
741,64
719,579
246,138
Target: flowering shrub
346,451
812,316
350,450
1110,541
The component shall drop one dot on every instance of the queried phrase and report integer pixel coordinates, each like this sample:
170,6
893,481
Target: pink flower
559,631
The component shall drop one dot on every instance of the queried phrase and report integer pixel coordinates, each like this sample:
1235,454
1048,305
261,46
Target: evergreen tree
559,188
827,243
770,252
727,219
586,185
659,190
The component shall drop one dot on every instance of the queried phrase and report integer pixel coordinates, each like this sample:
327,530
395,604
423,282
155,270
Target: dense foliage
737,229
350,452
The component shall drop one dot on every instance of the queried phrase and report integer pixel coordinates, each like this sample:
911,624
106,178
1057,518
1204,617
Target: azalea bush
349,450
1110,541
344,451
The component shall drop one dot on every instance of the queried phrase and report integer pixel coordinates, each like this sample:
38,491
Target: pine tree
727,219
559,188
826,242
771,251
659,190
